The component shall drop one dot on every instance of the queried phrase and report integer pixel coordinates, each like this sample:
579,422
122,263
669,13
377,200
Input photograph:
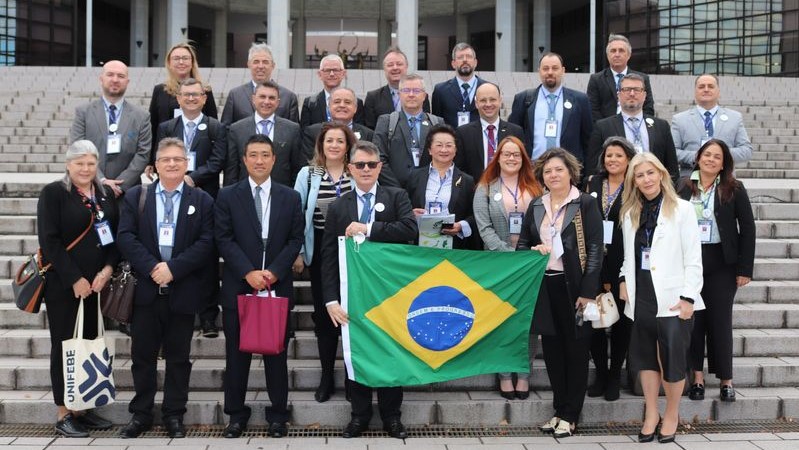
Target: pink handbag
262,323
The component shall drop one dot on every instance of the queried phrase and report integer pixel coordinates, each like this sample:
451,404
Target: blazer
575,126
239,104
238,237
379,102
210,145
688,131
192,254
614,252
604,99
471,150
163,106
396,153
736,225
492,218
134,127
286,146
448,100
460,202
579,282
675,259
396,223
311,133
660,142
314,110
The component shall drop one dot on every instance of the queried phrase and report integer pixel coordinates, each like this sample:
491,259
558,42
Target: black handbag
116,298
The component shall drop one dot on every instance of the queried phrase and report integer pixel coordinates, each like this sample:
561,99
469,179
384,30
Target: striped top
328,190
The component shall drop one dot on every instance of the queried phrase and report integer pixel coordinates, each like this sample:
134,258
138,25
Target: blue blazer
448,100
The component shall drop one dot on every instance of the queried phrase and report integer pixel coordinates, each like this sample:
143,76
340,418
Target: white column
177,22
298,38
139,22
461,25
89,31
542,18
220,36
383,30
159,48
408,31
277,30
505,36
592,38
522,36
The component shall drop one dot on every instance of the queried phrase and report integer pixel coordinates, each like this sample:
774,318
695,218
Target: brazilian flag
422,315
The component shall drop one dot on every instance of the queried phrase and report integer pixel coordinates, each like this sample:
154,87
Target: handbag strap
77,333
43,269
578,228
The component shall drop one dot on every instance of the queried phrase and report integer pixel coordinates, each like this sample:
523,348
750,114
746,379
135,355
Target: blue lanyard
706,196
553,226
514,194
611,198
636,132
365,204
441,185
552,104
337,183
168,212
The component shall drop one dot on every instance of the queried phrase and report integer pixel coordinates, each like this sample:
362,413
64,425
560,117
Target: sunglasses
360,165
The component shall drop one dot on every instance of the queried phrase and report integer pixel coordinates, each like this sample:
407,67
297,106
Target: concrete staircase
34,124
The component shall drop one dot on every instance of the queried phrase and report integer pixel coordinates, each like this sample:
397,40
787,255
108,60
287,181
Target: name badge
464,117
557,246
645,262
705,227
166,234
177,112
104,234
192,161
639,148
607,228
416,153
515,220
114,144
435,207
551,129
266,293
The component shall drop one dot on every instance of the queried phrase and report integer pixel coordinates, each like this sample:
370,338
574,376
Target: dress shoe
522,395
92,420
697,391
550,425
666,438
395,429
133,429
354,429
325,390
209,329
644,438
70,427
278,430
597,389
612,390
564,429
727,393
174,427
234,430
509,395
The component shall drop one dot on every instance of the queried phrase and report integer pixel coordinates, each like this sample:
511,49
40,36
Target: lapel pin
425,123
358,135
497,197
202,127
379,207
191,209
458,181
113,128
593,194
567,104
723,117
649,122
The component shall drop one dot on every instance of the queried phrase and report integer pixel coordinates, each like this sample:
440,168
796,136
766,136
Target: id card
639,148
551,129
705,227
166,234
515,220
607,228
434,207
464,117
557,246
266,293
192,161
645,262
416,153
114,144
104,234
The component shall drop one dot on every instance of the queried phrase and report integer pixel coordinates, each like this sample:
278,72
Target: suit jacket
396,153
604,98
316,111
163,106
288,153
688,130
192,254
396,223
492,218
575,126
311,133
471,150
238,237
210,145
134,127
460,202
379,102
448,100
239,104
660,142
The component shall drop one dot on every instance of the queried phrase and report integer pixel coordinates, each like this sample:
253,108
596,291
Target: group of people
591,180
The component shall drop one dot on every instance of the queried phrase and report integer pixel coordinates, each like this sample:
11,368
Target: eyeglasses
628,90
175,159
508,155
360,165
192,94
415,91
331,71
180,58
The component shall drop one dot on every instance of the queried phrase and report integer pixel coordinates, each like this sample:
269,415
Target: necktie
259,208
465,87
633,121
709,123
190,129
367,208
112,114
166,251
551,103
492,142
266,127
414,134
395,99
619,76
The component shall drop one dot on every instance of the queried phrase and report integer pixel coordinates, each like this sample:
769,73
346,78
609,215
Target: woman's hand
102,277
82,288
742,281
419,212
541,248
582,302
299,264
623,291
686,309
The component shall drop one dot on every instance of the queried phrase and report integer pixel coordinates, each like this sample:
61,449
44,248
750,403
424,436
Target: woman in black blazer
727,230
442,188
67,209
566,225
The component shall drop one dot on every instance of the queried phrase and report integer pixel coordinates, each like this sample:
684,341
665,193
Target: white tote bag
87,363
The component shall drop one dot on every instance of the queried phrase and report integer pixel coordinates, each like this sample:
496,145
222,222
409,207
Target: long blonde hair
633,199
172,84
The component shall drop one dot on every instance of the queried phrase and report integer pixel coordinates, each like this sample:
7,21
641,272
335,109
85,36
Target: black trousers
326,333
714,323
565,355
389,402
619,337
155,326
237,373
211,310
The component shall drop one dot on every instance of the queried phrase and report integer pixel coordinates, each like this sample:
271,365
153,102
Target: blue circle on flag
439,318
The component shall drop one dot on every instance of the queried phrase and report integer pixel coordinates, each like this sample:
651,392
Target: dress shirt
258,119
642,125
472,82
699,202
713,111
615,80
359,201
159,204
197,121
266,190
541,117
544,230
484,126
118,104
439,190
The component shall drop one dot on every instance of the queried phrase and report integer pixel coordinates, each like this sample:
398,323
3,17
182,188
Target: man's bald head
114,80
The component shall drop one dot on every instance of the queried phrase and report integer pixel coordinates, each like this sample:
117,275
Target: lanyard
365,204
92,203
706,196
610,198
514,194
552,104
712,118
553,227
337,183
441,185
168,212
635,131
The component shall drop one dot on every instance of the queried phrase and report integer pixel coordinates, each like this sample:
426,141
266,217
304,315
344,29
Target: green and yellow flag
422,315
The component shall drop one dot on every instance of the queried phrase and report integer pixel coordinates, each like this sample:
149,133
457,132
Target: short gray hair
344,88
79,149
462,46
696,80
258,47
331,57
633,76
170,142
410,77
366,147
619,38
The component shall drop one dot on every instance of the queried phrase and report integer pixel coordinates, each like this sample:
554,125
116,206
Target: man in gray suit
119,129
401,135
239,100
284,134
692,128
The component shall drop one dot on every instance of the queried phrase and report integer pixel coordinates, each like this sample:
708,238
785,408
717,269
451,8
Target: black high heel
668,438
643,438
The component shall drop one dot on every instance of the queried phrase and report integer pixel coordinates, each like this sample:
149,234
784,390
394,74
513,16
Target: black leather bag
116,298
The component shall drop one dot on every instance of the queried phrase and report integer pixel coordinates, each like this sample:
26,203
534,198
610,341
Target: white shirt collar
197,120
712,110
485,124
265,186
616,74
258,118
160,188
360,193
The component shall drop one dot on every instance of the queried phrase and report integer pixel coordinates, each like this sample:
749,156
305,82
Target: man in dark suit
315,108
385,100
478,140
400,136
647,133
169,245
259,232
453,100
239,100
552,115
206,142
283,133
381,214
343,104
603,86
